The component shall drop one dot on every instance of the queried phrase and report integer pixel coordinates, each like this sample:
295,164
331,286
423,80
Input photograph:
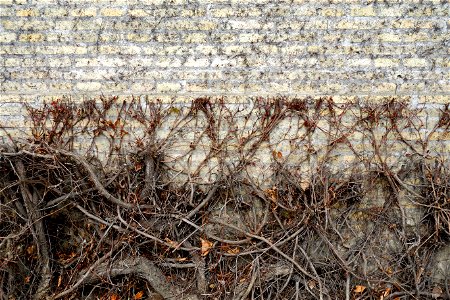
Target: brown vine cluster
271,199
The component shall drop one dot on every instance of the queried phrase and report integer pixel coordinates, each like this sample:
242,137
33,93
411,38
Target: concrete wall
224,47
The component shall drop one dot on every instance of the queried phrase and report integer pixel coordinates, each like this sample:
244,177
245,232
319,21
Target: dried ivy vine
172,206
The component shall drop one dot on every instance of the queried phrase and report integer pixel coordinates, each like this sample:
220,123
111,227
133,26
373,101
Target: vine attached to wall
272,199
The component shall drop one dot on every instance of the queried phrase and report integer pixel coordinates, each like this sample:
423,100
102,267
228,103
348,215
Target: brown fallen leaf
359,289
114,297
389,271
272,194
436,292
277,154
31,249
304,185
311,284
206,247
171,243
182,259
139,295
233,250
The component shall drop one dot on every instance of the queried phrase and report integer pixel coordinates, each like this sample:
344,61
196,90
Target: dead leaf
31,249
27,279
206,247
139,295
182,259
171,243
436,292
386,292
359,289
272,194
277,154
235,250
114,297
311,284
59,280
304,185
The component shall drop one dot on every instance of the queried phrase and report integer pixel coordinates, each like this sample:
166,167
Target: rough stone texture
223,47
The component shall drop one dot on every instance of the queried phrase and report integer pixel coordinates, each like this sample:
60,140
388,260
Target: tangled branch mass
271,199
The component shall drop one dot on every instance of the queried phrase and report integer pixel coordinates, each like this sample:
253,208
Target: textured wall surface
224,47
